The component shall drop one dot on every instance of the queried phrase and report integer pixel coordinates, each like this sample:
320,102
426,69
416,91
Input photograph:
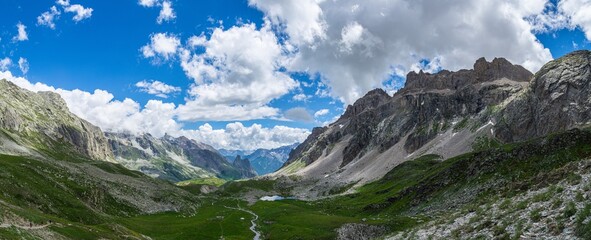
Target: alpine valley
493,152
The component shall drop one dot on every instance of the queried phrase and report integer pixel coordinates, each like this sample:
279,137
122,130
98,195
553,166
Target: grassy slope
415,191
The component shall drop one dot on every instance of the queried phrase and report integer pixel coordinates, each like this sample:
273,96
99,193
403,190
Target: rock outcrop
42,121
558,98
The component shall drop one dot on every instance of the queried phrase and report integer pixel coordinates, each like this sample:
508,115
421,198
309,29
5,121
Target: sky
247,74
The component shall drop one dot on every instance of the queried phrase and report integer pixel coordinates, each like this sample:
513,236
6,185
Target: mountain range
174,159
263,161
493,152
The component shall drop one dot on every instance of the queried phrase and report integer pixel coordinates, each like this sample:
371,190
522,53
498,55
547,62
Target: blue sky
327,56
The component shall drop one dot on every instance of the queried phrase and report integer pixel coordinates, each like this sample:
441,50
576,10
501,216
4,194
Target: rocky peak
483,72
371,100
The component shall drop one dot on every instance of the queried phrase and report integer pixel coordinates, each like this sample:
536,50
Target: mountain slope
174,159
439,113
41,120
52,169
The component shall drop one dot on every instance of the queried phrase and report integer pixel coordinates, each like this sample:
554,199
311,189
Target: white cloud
80,11
236,76
166,13
5,63
162,46
240,66
22,33
147,3
301,97
302,19
321,112
23,65
298,114
158,118
63,3
196,111
579,12
351,35
48,18
157,88
237,136
356,47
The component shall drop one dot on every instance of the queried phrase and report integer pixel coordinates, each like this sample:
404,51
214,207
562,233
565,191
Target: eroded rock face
426,106
558,98
43,119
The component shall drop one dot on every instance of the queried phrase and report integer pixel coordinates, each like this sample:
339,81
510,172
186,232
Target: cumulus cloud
158,118
47,18
300,97
23,65
302,19
80,11
63,3
321,112
578,11
162,47
237,136
236,76
196,111
166,13
240,65
147,3
5,63
357,47
22,33
157,88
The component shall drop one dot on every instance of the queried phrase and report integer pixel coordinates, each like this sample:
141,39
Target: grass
203,181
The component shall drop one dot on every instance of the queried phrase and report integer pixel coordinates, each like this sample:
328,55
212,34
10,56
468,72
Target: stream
257,234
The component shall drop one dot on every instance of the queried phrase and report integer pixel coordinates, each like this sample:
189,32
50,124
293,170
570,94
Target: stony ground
554,212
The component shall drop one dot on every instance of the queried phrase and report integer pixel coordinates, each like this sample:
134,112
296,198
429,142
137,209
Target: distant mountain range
174,159
263,161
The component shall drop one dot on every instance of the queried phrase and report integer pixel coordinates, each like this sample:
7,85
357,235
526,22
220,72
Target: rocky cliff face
558,98
439,113
174,159
42,121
